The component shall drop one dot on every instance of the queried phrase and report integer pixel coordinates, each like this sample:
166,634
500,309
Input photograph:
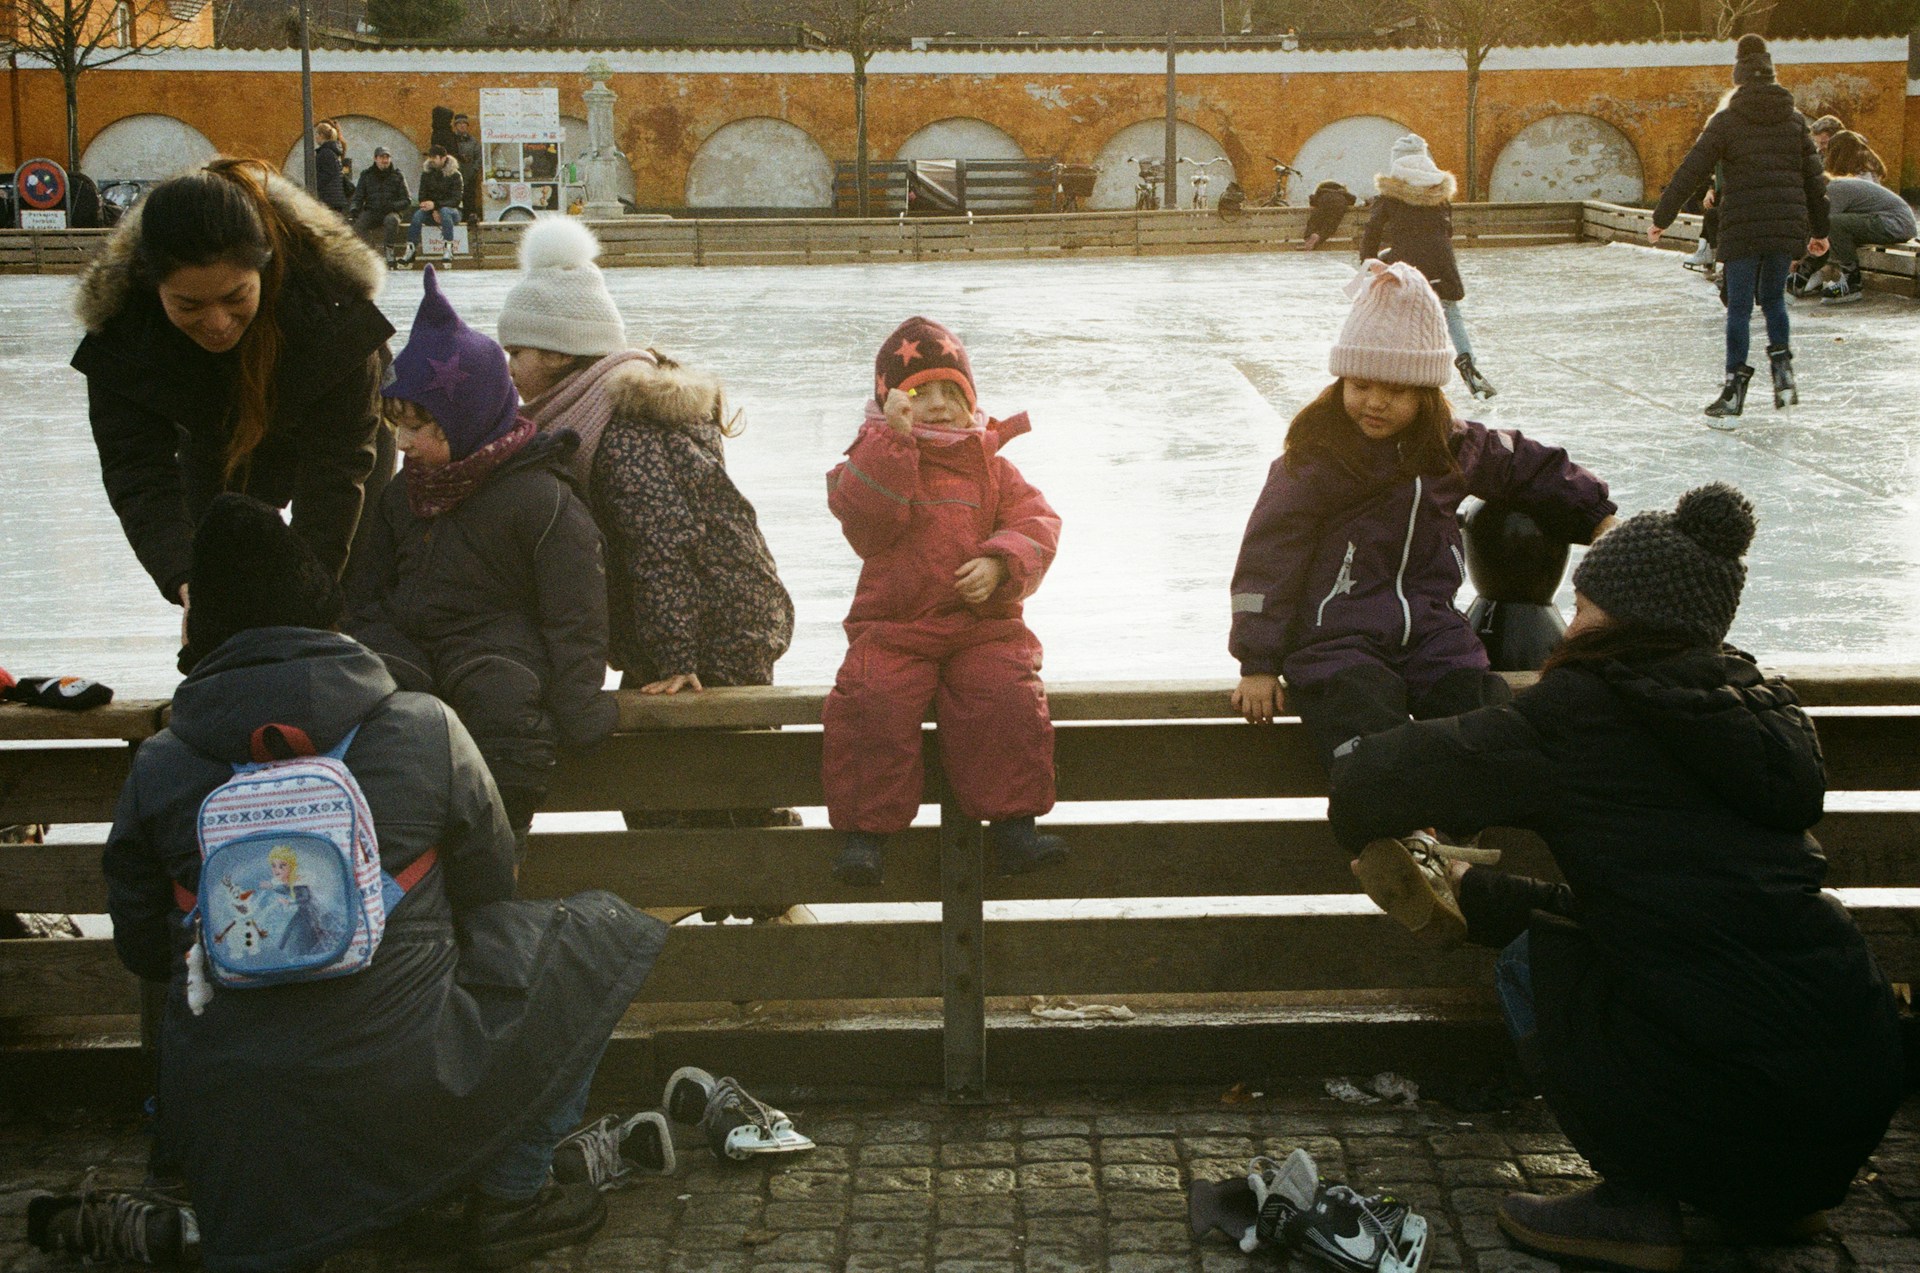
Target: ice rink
1159,390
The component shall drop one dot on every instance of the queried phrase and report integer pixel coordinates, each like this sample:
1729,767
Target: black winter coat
498,605
441,185
381,192
1712,1025
308,1116
1773,192
329,176
159,404
1415,224
691,585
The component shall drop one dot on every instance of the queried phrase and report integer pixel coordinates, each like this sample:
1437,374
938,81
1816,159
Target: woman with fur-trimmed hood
693,597
1412,221
233,344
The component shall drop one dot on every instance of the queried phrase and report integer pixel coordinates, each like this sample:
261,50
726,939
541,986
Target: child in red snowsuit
952,539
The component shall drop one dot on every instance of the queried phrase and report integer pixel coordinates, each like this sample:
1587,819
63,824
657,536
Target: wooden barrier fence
1891,268
1160,744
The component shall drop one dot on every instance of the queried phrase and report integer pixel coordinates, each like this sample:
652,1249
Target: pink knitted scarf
580,403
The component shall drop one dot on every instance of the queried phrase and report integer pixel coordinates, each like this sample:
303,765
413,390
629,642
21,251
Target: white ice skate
737,1124
1284,1206
1701,258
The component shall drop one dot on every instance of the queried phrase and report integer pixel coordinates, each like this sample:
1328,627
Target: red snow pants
996,740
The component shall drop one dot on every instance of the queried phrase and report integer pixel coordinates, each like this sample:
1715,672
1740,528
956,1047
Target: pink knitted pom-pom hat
1396,332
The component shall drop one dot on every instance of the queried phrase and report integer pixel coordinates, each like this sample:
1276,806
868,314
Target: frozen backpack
291,887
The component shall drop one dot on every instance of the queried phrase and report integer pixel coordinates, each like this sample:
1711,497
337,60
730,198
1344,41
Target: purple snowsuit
1338,570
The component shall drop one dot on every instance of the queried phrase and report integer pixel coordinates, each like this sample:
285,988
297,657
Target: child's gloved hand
899,412
978,579
69,693
1258,698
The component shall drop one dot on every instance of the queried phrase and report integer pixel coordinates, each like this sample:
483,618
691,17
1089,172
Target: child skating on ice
1350,563
951,539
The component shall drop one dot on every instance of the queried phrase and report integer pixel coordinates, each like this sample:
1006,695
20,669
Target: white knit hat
560,302
1396,332
1413,162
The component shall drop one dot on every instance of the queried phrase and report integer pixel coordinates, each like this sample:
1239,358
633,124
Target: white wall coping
1702,53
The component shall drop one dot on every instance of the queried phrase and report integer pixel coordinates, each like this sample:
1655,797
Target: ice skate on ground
737,1125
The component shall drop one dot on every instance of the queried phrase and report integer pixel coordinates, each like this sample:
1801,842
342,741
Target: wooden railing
1159,744
1890,268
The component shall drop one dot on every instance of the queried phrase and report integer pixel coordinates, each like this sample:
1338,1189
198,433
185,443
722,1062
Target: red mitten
6,679
68,693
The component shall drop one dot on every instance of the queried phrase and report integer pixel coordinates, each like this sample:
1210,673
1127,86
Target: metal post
1170,179
963,958
310,171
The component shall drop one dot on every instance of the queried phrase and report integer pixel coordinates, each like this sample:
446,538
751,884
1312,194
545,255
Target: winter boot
1733,394
1701,258
1408,879
407,257
737,1125
859,860
500,1233
1785,392
126,1226
1477,384
605,1153
1019,848
446,252
1603,1224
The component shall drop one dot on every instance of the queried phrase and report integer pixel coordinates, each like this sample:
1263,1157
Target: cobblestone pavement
1045,1182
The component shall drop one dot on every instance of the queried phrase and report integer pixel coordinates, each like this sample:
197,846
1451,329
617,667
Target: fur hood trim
1420,196
111,281
665,396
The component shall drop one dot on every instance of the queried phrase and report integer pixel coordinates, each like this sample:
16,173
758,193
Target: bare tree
1735,17
858,28
1473,29
77,36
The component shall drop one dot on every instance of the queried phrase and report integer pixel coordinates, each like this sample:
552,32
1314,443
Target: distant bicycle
1147,182
1073,183
1201,178
1281,171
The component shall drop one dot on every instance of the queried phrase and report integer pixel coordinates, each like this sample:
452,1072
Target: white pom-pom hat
560,302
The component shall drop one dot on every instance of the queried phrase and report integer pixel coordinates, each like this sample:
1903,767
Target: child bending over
952,540
481,578
1352,558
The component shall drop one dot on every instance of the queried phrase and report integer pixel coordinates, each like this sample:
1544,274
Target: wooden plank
67,784
60,879
52,977
129,720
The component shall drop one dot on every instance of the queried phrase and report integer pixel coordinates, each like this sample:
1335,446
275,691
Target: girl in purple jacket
1353,555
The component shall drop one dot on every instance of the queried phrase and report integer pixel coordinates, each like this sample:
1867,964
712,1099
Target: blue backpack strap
339,751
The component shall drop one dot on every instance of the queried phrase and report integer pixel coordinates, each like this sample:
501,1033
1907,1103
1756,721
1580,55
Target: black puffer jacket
1712,1025
1415,224
442,186
381,191
310,1115
498,605
159,404
1773,193
329,175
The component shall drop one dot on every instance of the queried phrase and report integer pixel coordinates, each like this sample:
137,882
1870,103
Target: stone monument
604,167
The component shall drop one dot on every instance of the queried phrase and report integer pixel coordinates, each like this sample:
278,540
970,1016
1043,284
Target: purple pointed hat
459,375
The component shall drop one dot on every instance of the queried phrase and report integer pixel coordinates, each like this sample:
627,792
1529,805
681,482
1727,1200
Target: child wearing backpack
1353,555
951,539
1412,221
481,577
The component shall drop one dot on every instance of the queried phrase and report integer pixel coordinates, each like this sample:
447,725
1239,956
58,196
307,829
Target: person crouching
952,540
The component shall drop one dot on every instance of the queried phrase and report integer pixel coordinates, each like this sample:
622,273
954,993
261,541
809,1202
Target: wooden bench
1883,268
1161,744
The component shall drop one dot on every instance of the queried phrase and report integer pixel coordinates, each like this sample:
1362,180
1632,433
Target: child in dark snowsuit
481,578
1412,221
1352,558
1330,202
952,539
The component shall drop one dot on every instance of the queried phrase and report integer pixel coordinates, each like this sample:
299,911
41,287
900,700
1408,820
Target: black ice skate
1785,392
1478,385
126,1226
609,1151
1359,1233
736,1124
1733,394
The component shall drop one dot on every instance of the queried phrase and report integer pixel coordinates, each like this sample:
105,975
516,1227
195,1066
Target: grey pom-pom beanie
560,302
1678,572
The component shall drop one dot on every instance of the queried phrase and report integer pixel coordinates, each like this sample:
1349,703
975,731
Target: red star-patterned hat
457,374
921,350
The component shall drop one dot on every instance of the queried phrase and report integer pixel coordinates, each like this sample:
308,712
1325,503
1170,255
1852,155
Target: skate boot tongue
1282,1191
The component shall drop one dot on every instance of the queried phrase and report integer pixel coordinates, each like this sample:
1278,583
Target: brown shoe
1408,880
1603,1225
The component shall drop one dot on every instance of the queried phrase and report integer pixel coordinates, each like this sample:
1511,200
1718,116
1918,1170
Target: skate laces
1434,853
113,1225
600,1147
727,1093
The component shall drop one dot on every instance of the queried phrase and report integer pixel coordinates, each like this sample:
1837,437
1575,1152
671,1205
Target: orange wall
663,118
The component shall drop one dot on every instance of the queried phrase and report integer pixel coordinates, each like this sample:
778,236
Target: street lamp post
310,173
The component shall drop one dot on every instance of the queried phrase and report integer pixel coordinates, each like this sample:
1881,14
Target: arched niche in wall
1114,187
1568,157
363,133
145,147
960,137
1351,151
760,163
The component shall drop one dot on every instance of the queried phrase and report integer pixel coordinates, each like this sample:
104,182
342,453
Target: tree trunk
72,79
860,132
1473,127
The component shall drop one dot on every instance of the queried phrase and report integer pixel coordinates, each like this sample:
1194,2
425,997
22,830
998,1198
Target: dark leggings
1749,277
1369,698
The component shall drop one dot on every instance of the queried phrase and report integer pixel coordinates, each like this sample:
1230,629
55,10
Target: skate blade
1411,1250
751,1139
1226,1205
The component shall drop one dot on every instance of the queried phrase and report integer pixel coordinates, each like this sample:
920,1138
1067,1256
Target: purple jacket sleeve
1275,554
1568,500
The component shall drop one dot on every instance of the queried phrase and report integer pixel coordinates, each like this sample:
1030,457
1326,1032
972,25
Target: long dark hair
1622,641
1849,155
1323,428
223,214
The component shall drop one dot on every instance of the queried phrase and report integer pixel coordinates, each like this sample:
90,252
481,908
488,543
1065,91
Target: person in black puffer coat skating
1773,206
